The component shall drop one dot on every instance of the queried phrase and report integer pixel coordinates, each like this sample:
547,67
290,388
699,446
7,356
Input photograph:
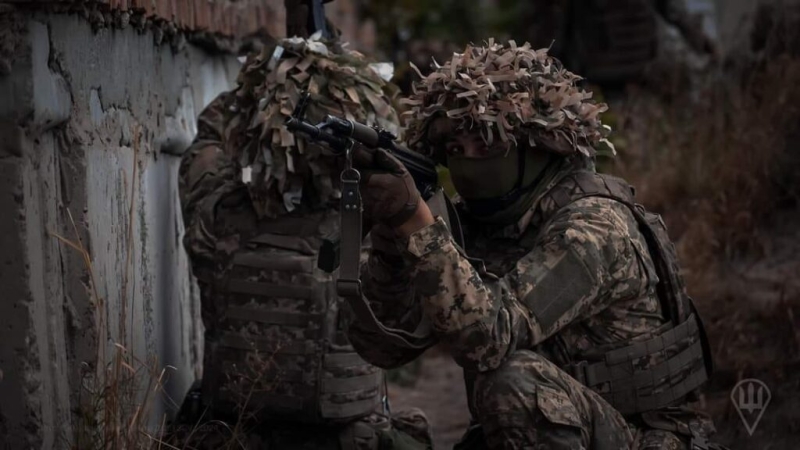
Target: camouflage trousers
405,430
529,403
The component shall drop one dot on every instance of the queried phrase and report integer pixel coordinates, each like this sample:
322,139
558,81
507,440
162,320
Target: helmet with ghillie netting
284,171
513,94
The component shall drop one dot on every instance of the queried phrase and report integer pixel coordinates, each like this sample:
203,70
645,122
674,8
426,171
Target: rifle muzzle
295,125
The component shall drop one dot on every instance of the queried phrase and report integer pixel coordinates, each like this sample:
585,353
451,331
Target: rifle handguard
336,132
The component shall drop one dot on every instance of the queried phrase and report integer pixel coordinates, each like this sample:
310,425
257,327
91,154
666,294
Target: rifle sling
349,285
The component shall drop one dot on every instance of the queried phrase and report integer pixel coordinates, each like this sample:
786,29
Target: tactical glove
387,189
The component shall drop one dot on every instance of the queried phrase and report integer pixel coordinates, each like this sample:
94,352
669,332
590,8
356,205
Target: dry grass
718,165
119,392
118,398
244,383
723,169
721,165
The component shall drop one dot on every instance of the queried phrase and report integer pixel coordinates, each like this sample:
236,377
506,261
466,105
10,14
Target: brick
232,18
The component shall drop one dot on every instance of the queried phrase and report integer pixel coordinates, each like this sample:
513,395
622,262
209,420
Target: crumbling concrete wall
92,123
98,99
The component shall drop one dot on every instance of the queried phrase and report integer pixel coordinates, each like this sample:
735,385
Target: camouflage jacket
564,282
207,177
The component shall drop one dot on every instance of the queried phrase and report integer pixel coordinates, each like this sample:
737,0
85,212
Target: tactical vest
676,359
278,349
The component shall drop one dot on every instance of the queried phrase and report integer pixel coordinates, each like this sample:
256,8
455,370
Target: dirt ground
439,391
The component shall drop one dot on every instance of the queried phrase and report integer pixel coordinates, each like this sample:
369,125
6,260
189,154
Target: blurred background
98,100
705,107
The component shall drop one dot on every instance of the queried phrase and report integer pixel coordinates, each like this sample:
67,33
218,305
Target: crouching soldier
278,369
564,303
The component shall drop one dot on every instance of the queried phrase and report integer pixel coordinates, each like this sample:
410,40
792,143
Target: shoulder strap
671,290
349,285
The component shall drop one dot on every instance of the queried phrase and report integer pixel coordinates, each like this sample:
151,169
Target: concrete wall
223,17
92,123
98,99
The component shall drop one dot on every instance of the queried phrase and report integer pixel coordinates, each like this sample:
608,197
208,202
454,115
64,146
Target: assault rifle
341,135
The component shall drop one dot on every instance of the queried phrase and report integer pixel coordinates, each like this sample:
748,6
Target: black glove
387,189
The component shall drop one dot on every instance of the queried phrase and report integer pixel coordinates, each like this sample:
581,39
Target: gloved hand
387,189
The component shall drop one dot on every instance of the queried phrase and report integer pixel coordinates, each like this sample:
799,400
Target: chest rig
278,349
675,359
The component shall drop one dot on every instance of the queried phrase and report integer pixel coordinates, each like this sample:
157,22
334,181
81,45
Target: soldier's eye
454,148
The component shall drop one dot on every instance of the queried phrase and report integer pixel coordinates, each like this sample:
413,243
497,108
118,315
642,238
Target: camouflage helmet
514,94
284,171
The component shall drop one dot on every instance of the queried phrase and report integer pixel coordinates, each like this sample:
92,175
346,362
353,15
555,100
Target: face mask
486,177
496,177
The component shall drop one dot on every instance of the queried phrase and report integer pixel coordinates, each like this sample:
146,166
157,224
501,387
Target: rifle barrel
421,168
299,126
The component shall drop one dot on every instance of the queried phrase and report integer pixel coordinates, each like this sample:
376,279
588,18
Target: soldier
565,305
278,370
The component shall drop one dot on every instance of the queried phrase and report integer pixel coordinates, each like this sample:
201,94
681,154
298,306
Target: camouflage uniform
527,302
586,267
277,363
533,297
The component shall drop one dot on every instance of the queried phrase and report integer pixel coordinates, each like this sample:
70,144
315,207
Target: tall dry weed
721,164
117,399
119,392
717,163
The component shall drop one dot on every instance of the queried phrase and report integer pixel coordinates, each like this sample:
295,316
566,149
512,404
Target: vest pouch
278,350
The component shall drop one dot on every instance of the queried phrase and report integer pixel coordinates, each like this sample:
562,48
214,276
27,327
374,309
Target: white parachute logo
751,398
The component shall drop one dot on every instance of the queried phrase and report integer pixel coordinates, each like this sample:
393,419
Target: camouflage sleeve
478,318
583,255
584,261
386,281
206,174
